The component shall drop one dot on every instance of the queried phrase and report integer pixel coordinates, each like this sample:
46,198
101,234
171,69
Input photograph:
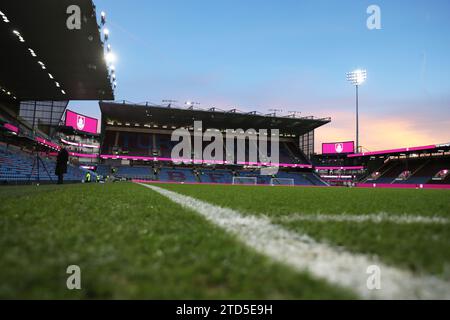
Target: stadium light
42,65
110,58
106,33
33,54
4,17
17,33
357,78
103,17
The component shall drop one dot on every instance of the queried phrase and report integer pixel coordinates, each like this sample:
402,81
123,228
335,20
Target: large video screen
80,122
338,147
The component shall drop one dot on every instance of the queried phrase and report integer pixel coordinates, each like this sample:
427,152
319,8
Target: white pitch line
373,218
303,253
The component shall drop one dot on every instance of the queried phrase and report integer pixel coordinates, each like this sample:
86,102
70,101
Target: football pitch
167,241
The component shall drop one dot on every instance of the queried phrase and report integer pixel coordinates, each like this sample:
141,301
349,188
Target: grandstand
137,138
406,167
16,167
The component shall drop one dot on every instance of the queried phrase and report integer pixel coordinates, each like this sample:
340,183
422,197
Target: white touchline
373,218
305,254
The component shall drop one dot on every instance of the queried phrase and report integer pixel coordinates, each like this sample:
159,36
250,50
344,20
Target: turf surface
421,248
131,243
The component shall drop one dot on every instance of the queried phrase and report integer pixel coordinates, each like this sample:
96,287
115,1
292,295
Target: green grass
423,249
131,242
280,201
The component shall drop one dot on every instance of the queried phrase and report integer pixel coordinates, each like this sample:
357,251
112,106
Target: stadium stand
160,145
202,175
413,171
137,138
16,167
216,176
255,174
177,175
315,180
403,167
428,171
103,170
145,173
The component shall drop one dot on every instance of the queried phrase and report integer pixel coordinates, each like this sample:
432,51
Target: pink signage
338,148
80,122
47,143
78,155
11,128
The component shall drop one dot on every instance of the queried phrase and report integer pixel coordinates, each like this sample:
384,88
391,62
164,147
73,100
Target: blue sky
291,55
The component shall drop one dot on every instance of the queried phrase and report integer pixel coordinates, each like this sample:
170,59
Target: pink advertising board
80,122
338,147
11,128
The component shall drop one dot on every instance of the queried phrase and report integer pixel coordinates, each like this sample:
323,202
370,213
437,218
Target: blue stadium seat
16,166
177,175
216,176
145,173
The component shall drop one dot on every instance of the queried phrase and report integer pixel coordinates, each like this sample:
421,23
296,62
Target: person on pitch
61,165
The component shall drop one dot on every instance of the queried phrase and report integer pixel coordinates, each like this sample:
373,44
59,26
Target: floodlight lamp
357,77
110,57
106,34
103,18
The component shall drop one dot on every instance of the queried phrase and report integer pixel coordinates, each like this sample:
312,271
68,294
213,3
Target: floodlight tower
357,78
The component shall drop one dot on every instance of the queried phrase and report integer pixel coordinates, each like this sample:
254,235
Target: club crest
339,147
81,121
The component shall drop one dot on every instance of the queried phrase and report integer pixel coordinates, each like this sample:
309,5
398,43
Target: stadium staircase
298,154
413,166
286,154
414,179
386,171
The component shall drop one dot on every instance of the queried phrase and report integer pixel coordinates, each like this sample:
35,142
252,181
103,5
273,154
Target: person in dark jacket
61,165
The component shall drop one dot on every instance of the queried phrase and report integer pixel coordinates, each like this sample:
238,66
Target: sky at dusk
291,55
